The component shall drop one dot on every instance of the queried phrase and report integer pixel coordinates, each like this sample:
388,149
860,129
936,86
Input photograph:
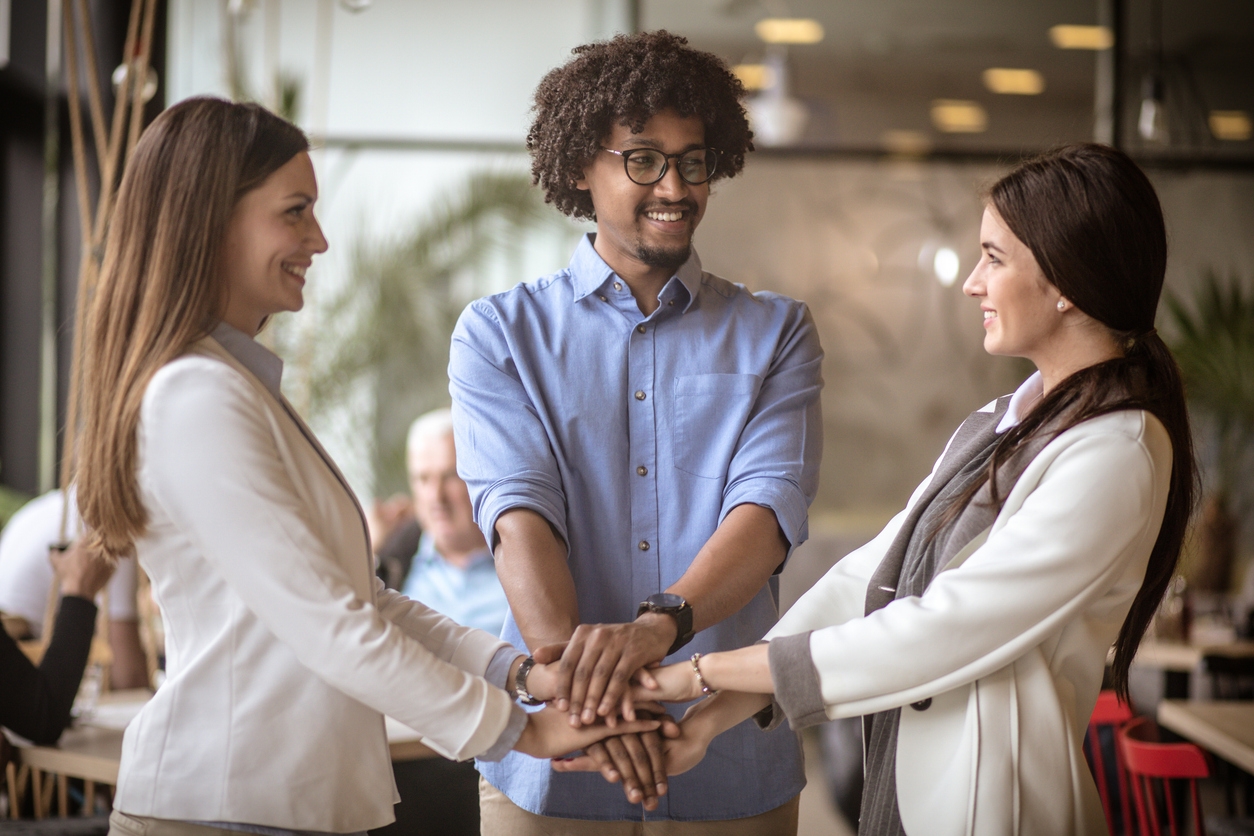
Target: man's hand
599,660
637,760
547,735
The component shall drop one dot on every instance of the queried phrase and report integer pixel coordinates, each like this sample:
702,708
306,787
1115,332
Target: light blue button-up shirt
471,596
634,437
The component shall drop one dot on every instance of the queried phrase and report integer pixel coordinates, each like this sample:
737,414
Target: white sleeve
1097,506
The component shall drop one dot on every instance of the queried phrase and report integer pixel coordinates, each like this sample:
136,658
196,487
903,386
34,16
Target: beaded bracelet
696,669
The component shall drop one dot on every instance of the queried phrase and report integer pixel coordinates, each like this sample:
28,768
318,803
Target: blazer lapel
975,433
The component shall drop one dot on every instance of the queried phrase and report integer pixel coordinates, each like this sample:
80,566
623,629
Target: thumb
549,653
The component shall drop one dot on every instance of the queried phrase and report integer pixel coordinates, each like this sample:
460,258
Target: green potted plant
1214,345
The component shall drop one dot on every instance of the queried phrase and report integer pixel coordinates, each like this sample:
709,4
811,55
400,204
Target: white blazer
1009,641
283,651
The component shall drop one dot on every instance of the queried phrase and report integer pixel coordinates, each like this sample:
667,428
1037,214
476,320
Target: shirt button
618,286
639,395
642,471
603,299
644,545
640,329
671,302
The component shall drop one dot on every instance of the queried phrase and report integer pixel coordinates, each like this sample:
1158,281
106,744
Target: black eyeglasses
646,166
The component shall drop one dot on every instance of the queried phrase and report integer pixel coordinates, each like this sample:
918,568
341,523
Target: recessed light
789,30
1232,125
1081,37
906,143
1014,82
755,76
957,116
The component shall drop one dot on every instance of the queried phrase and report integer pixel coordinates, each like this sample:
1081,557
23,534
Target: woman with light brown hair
283,651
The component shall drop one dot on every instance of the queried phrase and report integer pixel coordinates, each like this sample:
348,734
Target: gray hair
435,424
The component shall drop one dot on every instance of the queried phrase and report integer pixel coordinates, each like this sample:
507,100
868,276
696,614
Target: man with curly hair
640,438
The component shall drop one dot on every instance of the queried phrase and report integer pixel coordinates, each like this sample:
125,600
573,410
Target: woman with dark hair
972,633
283,650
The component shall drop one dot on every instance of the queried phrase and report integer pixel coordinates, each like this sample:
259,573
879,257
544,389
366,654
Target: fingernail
661,789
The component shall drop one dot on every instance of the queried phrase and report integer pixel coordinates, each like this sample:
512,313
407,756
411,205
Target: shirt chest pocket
711,411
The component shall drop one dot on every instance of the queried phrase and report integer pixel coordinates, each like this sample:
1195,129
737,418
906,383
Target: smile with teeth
659,215
990,315
296,270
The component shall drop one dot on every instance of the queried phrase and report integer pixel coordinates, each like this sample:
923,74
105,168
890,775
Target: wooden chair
1152,763
1109,713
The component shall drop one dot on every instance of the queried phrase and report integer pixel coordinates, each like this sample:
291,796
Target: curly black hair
628,80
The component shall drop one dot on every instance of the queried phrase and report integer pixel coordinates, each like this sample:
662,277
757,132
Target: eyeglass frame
666,163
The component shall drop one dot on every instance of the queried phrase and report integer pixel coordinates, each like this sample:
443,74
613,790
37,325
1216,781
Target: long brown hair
160,288
1091,218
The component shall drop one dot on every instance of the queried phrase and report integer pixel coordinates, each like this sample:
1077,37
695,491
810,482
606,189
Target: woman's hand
82,572
549,734
688,749
672,683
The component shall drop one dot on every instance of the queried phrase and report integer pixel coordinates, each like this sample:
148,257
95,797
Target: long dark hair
1091,218
159,287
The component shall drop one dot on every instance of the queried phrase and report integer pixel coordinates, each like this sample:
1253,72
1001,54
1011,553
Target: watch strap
520,683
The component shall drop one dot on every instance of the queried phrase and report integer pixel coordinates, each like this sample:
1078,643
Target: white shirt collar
1025,397
252,355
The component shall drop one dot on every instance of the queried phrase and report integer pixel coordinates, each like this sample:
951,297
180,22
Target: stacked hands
607,677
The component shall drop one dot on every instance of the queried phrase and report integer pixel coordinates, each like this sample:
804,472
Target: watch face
666,600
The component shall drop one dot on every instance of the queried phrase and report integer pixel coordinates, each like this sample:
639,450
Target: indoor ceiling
873,81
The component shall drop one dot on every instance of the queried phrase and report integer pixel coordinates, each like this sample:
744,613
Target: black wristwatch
668,603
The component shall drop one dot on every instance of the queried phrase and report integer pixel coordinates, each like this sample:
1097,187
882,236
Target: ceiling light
955,116
945,264
906,143
789,30
1081,37
755,76
1014,82
1231,125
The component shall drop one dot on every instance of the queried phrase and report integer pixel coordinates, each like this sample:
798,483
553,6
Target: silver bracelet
696,669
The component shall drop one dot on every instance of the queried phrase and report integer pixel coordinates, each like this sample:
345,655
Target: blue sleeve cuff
498,669
781,496
521,492
509,737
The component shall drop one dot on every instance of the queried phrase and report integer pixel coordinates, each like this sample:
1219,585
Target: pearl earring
1062,305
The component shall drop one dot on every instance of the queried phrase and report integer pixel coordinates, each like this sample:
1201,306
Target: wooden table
1182,658
1224,728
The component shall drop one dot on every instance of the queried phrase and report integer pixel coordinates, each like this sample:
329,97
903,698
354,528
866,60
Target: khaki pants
120,824
499,816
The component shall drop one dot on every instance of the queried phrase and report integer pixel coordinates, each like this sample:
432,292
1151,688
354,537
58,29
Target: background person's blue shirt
634,436
471,596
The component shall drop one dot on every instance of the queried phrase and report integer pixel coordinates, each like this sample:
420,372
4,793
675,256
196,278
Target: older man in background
450,570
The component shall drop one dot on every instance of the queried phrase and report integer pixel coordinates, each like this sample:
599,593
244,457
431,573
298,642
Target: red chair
1146,758
1110,712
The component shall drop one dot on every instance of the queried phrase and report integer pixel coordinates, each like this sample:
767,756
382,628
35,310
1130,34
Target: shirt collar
590,273
252,355
1025,397
427,553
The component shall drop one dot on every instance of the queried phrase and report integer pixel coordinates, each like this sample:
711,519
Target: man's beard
666,259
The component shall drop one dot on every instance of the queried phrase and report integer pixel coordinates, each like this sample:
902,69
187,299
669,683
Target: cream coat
283,651
1009,641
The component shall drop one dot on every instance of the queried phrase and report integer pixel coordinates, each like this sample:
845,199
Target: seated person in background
450,570
35,702
26,576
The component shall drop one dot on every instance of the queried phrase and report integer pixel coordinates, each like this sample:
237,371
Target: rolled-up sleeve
776,463
503,450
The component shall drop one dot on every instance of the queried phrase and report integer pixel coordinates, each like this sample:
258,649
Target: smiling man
641,441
